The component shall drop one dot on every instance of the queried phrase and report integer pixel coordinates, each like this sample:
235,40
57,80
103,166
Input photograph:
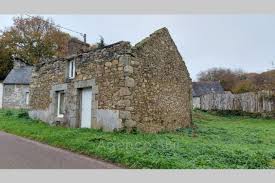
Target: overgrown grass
216,142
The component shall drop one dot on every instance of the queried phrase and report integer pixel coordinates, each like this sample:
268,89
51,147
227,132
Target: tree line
31,39
238,81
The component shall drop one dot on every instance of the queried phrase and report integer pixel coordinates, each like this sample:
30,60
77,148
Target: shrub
227,113
8,113
23,114
134,131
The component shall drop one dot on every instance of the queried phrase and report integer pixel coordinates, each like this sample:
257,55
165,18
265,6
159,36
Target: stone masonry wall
14,96
146,86
160,85
102,70
76,46
17,63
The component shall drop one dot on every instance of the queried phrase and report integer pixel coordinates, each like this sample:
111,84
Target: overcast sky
205,41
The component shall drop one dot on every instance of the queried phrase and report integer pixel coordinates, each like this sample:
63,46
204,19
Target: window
27,98
60,104
71,69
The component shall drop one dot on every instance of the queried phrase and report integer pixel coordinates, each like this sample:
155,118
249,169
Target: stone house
202,88
14,90
145,87
16,85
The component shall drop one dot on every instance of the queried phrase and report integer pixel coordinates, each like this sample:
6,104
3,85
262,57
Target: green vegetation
238,81
214,142
228,113
31,39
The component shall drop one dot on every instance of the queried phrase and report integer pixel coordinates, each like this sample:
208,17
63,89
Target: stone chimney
18,63
76,46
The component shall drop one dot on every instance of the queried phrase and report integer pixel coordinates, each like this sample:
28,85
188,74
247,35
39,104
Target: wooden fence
253,102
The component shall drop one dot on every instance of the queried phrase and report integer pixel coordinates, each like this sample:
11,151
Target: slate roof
19,76
202,88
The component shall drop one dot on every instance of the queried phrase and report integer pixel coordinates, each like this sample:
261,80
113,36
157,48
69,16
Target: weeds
214,141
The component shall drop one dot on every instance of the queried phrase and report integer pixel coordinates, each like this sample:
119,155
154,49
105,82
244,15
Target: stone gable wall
162,92
14,96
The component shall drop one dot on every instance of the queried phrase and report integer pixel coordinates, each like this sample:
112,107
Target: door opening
86,108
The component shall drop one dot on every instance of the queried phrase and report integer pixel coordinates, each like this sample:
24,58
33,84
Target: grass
216,142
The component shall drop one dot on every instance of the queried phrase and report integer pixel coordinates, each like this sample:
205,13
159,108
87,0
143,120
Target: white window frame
58,103
71,69
27,98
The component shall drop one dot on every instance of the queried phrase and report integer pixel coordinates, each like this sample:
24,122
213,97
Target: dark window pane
61,103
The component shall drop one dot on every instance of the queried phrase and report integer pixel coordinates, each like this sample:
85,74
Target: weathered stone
115,62
130,123
108,64
128,69
124,103
134,63
129,109
124,115
123,60
124,91
130,97
129,82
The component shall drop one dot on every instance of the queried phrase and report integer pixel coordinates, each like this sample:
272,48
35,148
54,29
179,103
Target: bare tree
227,77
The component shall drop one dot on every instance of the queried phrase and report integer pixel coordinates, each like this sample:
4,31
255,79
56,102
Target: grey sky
205,41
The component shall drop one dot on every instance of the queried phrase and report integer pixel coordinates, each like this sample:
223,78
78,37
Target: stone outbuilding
16,86
145,87
202,88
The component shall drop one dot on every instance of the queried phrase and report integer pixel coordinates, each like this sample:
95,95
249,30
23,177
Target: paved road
20,153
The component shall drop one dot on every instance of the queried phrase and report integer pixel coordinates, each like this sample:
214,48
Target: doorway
86,108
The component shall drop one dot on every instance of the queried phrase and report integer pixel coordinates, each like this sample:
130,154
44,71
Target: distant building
202,88
14,90
16,85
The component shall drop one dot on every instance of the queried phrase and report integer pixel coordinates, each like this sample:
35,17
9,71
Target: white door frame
86,107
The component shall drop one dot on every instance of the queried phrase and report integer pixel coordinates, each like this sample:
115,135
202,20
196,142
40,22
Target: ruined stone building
146,86
202,88
16,86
